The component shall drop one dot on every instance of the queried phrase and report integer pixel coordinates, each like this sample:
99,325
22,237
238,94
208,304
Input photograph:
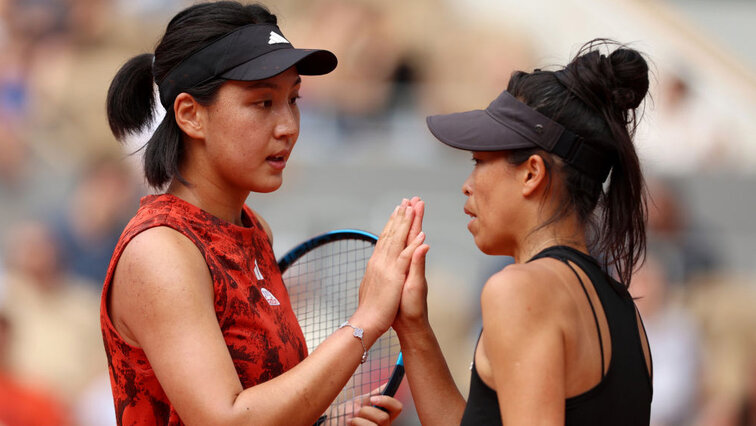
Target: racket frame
342,234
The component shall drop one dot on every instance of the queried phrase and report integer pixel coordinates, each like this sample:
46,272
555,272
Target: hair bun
625,98
630,72
617,81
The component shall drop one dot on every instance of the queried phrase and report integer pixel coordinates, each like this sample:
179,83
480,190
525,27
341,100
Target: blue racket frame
342,234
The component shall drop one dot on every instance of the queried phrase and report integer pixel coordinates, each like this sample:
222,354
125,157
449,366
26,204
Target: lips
473,219
278,160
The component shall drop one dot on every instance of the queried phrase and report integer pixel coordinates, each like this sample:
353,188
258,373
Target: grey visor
252,52
509,124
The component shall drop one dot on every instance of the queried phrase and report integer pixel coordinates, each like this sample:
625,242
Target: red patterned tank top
251,304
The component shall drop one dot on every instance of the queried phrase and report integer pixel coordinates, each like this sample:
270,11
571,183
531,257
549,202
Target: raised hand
413,306
386,272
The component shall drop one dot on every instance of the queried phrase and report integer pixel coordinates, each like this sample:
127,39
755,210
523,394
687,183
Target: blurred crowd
67,189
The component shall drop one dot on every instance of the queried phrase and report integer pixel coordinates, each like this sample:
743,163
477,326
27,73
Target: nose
467,187
287,126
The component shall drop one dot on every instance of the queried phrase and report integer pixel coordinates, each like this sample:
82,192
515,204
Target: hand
369,415
363,411
413,307
386,272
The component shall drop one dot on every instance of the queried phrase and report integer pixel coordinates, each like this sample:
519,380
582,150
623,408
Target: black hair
131,96
596,96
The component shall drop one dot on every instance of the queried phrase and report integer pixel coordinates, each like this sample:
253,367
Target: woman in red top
196,321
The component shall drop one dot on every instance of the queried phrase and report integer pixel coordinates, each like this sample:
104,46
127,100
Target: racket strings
323,287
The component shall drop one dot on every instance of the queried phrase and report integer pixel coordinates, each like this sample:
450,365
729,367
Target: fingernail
408,212
420,236
375,399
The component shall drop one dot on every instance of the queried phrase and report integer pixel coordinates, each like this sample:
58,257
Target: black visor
252,52
509,124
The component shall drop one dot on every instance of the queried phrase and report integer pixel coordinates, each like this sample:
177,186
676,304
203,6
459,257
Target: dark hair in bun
597,96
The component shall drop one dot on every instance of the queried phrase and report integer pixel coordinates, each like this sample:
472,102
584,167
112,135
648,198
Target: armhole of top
595,316
110,278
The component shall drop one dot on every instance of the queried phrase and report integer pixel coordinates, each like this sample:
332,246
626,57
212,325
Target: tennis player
562,341
196,321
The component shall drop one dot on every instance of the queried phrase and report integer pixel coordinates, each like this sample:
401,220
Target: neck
211,199
560,234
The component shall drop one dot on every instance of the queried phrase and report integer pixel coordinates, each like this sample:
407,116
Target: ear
190,115
534,175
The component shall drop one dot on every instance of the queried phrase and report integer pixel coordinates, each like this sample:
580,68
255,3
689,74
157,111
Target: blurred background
67,188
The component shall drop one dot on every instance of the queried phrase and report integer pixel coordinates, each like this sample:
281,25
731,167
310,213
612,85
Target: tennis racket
323,276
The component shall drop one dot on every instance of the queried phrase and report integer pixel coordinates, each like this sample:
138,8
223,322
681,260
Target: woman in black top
562,342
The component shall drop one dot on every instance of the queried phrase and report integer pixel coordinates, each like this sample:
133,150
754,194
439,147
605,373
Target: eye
293,100
268,103
476,161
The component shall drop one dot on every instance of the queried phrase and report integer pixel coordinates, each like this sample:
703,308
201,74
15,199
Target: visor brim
307,61
475,131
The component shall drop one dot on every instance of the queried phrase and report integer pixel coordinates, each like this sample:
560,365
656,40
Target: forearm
436,397
302,394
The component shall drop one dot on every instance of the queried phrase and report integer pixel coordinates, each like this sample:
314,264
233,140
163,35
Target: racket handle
394,381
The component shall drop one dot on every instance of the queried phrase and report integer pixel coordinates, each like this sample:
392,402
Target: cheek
495,218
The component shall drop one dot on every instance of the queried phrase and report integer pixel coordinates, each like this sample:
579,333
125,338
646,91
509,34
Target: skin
539,344
162,297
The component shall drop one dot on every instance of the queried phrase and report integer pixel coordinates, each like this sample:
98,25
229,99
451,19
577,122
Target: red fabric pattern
264,339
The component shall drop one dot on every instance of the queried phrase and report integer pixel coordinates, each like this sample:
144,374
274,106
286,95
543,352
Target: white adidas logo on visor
277,38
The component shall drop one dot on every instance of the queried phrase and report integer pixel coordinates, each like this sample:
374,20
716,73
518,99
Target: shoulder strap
563,255
593,310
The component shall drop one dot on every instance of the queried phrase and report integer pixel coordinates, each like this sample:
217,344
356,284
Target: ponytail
131,105
131,100
596,96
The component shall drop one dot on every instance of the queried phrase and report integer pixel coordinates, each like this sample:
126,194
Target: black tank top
623,396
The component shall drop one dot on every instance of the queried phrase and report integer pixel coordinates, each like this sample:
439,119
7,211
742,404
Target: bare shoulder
160,274
265,226
158,253
527,292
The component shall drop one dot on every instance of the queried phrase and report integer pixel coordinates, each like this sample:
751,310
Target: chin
265,190
491,249
482,246
266,187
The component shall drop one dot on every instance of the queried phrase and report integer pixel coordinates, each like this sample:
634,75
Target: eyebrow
263,84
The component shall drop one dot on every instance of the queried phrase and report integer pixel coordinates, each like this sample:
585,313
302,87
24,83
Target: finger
374,414
403,224
388,229
392,405
417,265
364,399
403,261
357,421
394,237
417,222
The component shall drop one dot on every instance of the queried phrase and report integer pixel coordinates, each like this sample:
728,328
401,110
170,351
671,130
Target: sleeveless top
251,304
623,396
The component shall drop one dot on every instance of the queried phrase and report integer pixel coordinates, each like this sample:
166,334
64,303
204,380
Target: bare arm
436,397
162,300
523,343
